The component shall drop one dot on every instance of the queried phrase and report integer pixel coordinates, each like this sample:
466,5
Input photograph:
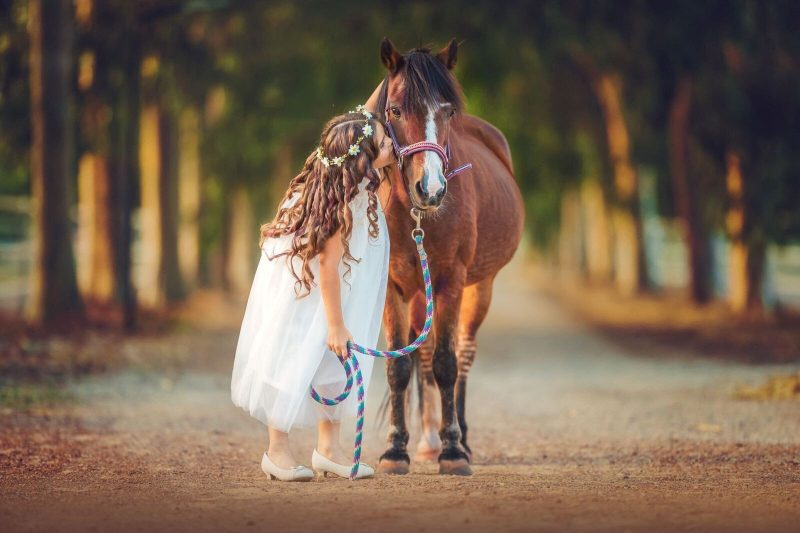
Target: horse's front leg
395,459
447,301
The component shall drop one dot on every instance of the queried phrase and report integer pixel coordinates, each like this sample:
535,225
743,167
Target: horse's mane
427,81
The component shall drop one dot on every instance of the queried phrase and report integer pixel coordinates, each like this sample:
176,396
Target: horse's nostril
419,189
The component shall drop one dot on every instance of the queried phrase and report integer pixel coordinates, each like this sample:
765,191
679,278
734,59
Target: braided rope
389,354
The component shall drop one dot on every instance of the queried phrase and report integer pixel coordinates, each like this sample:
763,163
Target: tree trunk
686,197
54,292
630,272
282,173
161,280
570,237
96,266
109,77
597,241
150,284
242,242
747,256
174,289
124,141
96,273
189,195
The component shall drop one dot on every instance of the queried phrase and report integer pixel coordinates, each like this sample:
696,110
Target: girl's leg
328,442
279,451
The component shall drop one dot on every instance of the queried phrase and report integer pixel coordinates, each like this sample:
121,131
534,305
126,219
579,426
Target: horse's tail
382,408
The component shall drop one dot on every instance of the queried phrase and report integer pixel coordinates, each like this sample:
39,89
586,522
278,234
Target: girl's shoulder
361,198
289,202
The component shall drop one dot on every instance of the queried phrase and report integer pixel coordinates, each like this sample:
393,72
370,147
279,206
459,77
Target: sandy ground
570,431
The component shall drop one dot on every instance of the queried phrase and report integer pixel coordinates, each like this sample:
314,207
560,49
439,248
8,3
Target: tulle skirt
282,349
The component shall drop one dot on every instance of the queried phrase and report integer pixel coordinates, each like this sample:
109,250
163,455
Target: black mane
427,81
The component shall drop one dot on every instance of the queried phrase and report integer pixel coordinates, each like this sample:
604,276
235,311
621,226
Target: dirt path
569,432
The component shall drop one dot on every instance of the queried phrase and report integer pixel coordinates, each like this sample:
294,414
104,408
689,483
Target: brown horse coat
469,236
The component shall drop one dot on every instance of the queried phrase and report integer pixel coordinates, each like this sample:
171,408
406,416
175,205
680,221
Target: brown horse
473,225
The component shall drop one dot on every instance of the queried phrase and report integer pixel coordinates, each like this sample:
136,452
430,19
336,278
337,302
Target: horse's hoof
387,466
427,455
455,467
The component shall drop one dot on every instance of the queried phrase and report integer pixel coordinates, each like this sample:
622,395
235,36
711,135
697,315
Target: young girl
330,227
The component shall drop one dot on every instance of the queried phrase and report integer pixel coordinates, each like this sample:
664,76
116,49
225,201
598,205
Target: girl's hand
337,340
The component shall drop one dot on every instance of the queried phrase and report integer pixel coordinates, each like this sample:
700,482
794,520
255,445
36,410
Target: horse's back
490,136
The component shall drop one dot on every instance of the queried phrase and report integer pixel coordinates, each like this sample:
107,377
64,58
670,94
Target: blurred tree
15,124
175,79
678,51
749,93
231,95
108,87
54,291
600,38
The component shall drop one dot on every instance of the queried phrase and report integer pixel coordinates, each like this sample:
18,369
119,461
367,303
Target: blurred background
640,362
143,142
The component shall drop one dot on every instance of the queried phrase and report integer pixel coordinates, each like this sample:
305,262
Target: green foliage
14,104
285,67
23,396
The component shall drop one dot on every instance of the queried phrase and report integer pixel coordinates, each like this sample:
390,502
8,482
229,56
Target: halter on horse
421,146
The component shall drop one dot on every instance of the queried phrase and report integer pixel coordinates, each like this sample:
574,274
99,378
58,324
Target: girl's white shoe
323,465
295,473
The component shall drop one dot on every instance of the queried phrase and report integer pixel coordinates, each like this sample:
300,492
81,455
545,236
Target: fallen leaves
779,387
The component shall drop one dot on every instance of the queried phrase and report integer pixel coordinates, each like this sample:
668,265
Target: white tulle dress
282,349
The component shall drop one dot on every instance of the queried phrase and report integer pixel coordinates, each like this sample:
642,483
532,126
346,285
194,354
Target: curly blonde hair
325,194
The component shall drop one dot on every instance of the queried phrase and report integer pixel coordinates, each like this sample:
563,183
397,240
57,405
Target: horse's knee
398,372
445,367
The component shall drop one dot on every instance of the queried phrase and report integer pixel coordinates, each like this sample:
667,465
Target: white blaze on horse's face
434,173
433,177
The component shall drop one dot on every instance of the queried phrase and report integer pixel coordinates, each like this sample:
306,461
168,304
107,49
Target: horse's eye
451,113
395,111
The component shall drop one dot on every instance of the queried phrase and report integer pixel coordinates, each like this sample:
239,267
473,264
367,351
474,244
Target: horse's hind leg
474,306
395,459
430,445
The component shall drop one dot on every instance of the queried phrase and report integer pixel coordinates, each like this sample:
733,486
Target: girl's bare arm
329,259
331,254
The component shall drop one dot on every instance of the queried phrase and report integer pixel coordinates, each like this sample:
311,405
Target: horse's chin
425,209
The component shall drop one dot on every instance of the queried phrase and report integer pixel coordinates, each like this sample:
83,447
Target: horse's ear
392,59
449,54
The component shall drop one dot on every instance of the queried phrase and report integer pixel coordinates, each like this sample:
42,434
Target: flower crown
354,149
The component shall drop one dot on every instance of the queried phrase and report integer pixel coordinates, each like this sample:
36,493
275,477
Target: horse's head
419,99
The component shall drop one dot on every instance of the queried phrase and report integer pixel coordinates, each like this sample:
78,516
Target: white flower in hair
354,149
322,157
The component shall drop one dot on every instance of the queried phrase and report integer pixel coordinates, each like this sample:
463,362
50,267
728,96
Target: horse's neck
396,196
384,192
